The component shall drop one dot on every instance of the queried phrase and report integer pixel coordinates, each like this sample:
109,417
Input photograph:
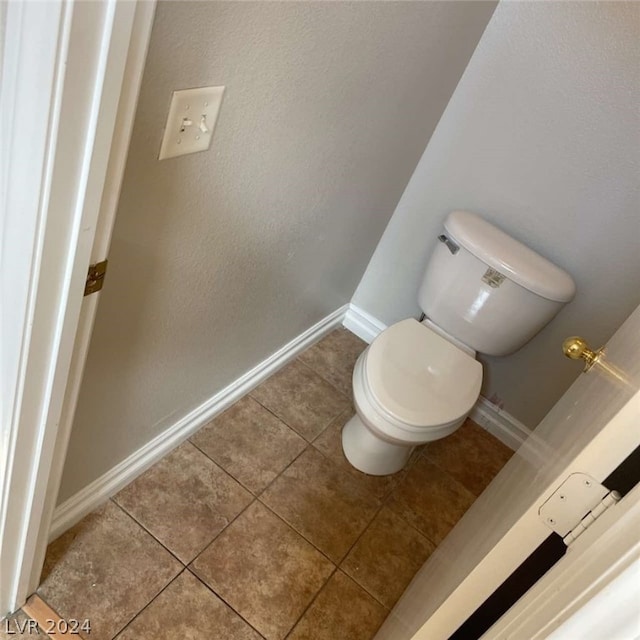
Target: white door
68,69
592,429
592,593
133,52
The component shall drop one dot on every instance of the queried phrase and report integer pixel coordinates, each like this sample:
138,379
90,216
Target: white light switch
192,118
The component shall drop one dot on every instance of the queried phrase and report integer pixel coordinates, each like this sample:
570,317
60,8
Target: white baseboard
363,324
92,496
499,423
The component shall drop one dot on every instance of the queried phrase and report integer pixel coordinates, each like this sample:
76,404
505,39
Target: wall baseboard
498,423
363,324
92,496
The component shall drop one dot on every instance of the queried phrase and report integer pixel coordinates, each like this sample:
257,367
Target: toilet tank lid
509,256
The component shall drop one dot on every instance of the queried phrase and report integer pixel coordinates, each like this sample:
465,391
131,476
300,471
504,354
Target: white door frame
593,591
62,94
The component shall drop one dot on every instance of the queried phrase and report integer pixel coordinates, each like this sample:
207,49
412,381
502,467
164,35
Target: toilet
482,292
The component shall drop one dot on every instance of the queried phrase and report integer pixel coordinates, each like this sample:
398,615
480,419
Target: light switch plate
191,121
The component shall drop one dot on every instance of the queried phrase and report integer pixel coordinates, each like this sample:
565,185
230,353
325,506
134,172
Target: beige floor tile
264,570
249,443
329,442
301,399
20,627
334,357
106,569
184,501
324,504
342,610
430,500
387,556
188,609
471,455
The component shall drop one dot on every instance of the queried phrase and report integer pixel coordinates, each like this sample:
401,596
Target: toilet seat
419,378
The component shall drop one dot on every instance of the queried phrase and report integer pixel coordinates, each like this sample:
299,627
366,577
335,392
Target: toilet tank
488,290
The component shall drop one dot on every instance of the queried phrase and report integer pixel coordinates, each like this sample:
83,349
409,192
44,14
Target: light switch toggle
191,121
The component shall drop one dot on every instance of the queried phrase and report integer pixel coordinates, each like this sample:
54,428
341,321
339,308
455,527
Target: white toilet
482,292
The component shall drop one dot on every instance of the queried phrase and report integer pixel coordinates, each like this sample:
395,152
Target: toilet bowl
482,291
410,386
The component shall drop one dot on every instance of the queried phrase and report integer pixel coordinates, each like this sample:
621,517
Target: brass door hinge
95,277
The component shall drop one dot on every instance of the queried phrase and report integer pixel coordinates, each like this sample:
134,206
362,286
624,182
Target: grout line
298,357
342,472
257,497
331,384
262,492
275,415
219,596
219,466
191,569
450,477
204,453
164,546
324,586
187,566
348,575
252,491
433,462
146,606
422,533
355,542
227,473
253,501
388,497
267,486
418,531
380,506
315,597
49,621
277,515
208,544
383,504
348,410
338,564
314,438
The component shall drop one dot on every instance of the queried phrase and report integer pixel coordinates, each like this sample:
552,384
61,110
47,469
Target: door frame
599,572
67,92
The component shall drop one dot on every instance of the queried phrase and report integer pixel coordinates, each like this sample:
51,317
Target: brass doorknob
577,348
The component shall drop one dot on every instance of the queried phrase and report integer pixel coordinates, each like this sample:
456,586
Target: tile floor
257,527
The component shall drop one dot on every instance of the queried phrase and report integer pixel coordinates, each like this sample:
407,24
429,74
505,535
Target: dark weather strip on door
622,479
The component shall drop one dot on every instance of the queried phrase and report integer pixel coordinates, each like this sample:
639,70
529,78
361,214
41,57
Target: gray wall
220,258
3,25
542,138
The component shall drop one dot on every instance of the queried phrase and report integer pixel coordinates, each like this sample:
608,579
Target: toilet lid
419,377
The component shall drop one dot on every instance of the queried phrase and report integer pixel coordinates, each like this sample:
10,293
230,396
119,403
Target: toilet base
370,454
